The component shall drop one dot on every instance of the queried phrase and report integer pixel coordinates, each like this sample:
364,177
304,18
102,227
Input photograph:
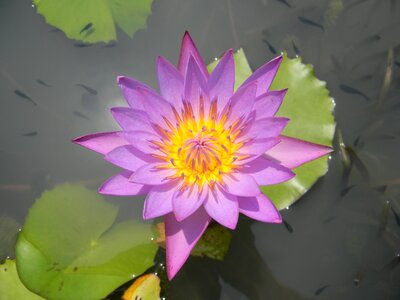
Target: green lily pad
92,21
70,248
11,286
309,107
146,287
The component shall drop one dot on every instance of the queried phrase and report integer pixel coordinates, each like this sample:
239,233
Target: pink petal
291,152
267,172
131,119
265,75
141,140
119,185
268,104
129,158
259,208
181,237
151,174
102,142
159,200
242,102
240,184
254,149
170,82
265,128
129,88
222,80
195,86
186,202
222,207
189,49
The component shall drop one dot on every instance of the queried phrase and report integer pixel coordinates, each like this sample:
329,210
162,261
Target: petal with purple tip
189,49
242,102
265,75
181,237
129,88
159,200
152,174
259,208
170,82
267,172
268,104
186,202
222,207
102,142
265,128
119,185
128,157
292,153
142,140
240,184
222,80
131,119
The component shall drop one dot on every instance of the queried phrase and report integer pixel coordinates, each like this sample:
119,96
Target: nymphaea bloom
199,150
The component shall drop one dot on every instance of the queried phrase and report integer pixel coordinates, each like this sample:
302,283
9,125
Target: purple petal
265,75
186,202
170,82
189,49
265,128
267,172
291,152
129,88
268,104
131,119
195,86
242,102
119,185
129,158
159,200
102,142
222,207
240,184
254,149
151,174
222,80
259,208
141,140
181,237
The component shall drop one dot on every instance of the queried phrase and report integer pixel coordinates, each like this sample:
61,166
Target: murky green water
341,239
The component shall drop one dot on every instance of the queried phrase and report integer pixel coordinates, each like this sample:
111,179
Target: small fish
32,133
397,63
396,216
288,226
270,47
82,45
357,141
320,290
88,89
43,83
309,22
89,32
285,3
55,30
296,50
24,96
110,45
350,90
78,114
346,190
358,163
87,27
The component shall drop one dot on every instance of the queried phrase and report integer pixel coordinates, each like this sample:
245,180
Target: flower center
200,149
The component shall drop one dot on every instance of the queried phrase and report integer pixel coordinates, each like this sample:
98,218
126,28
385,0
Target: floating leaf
10,285
309,107
69,247
146,287
94,21
214,243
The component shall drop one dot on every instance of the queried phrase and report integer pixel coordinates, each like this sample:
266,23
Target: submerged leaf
94,21
309,107
146,287
70,248
10,285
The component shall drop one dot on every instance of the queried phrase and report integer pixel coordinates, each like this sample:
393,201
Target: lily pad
146,287
10,285
92,21
70,248
309,107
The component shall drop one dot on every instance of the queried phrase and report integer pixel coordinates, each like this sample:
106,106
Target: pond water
340,241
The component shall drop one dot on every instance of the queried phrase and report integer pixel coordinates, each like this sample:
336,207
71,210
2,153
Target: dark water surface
343,237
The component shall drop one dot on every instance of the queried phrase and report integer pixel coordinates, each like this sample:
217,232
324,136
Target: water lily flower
199,150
